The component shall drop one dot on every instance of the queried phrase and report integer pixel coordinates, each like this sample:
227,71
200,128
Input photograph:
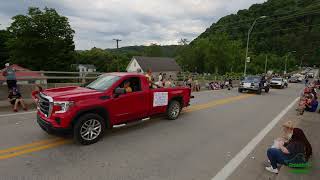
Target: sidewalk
253,167
310,123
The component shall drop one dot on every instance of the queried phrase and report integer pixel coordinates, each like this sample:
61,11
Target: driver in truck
127,87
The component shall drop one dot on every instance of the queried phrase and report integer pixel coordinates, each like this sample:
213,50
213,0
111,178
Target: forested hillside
290,26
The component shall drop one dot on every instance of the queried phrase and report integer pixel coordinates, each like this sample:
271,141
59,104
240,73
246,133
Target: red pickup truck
88,111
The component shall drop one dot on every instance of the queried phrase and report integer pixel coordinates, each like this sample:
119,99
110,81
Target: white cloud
136,22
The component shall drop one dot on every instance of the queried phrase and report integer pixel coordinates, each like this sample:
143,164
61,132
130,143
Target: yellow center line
215,103
54,142
37,143
39,148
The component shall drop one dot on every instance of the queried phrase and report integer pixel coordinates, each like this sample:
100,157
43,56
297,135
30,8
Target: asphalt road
217,126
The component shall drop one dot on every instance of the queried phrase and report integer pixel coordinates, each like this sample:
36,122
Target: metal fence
61,75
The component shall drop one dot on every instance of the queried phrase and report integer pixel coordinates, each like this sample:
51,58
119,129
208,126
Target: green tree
104,60
154,50
291,25
4,51
215,54
41,40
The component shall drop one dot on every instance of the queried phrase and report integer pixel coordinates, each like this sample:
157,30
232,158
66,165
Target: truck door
132,105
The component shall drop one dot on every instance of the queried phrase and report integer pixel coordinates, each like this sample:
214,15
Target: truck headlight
62,106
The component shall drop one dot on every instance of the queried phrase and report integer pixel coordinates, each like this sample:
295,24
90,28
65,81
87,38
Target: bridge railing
53,79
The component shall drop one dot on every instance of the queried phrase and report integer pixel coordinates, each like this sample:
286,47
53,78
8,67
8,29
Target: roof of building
21,72
157,64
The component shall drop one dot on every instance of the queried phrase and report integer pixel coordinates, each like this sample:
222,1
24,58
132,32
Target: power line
287,29
265,22
275,15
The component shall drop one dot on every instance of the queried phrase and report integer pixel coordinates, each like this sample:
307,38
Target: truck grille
44,104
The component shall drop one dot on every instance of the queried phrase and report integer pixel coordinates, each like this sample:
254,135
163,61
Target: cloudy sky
136,22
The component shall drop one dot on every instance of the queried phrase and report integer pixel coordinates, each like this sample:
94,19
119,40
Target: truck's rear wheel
239,90
174,110
89,129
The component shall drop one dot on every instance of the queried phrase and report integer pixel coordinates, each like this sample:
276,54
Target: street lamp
285,65
249,32
265,65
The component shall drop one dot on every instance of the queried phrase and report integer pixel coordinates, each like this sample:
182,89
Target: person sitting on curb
292,133
312,105
297,149
149,77
15,99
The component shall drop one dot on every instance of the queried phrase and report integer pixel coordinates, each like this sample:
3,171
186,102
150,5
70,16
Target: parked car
278,83
255,84
88,111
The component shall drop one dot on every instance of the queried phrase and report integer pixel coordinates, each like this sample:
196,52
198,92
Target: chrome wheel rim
90,130
175,110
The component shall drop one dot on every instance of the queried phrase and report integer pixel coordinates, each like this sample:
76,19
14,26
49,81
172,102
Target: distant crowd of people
214,85
309,98
162,81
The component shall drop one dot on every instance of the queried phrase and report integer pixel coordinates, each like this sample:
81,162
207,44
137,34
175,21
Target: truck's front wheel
89,129
174,110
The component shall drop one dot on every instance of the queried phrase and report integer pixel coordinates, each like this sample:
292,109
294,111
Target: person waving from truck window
127,87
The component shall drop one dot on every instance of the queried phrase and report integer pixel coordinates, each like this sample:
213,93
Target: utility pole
285,65
265,65
286,62
117,40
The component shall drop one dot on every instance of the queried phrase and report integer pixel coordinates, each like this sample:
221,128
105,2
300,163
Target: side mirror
119,91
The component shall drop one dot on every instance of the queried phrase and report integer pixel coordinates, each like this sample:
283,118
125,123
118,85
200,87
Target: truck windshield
103,82
252,79
276,79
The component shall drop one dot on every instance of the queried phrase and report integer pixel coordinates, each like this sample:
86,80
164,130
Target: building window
134,64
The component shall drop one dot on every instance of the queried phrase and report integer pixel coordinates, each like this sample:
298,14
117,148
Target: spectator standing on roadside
312,105
226,84
196,86
164,76
10,75
36,92
149,77
160,77
189,82
306,79
230,83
